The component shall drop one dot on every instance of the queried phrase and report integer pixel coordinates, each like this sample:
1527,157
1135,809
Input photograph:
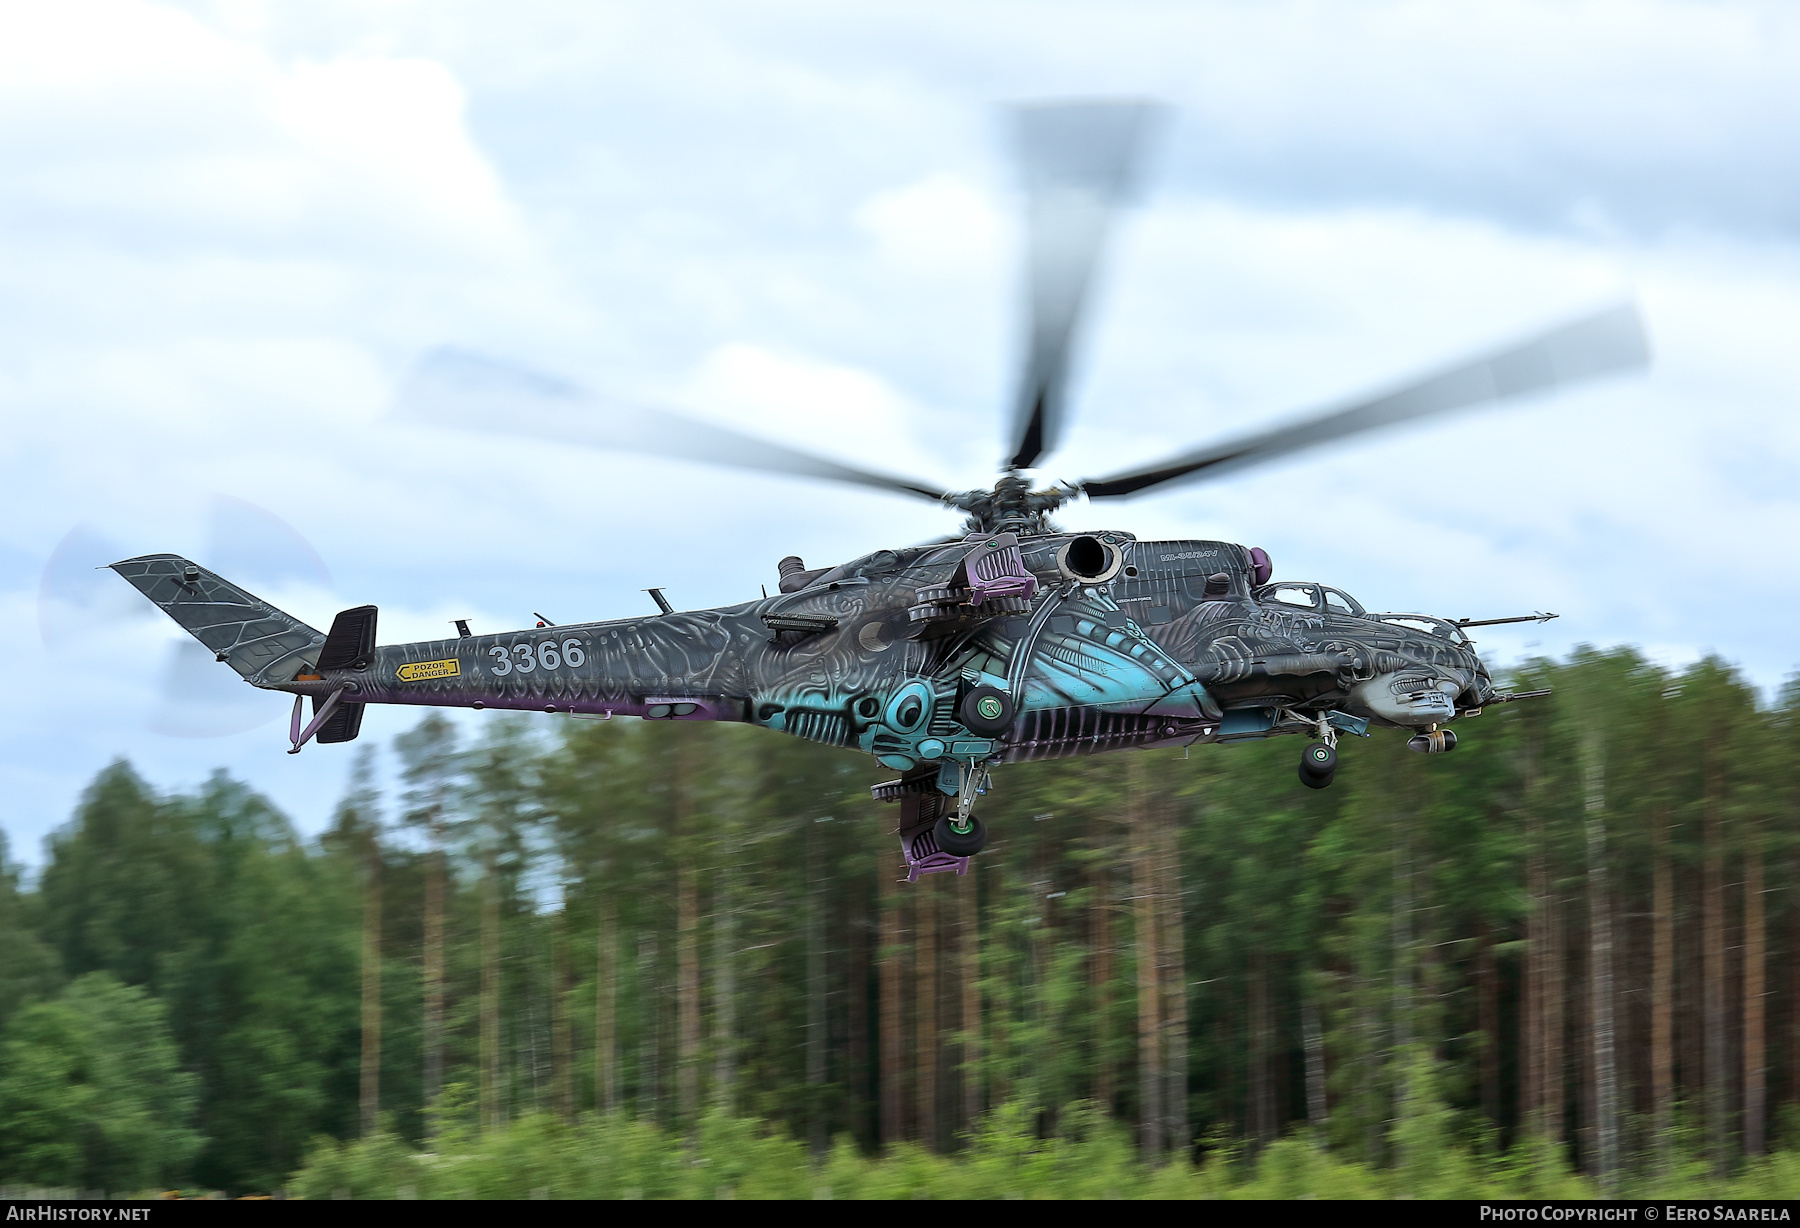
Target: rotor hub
1011,506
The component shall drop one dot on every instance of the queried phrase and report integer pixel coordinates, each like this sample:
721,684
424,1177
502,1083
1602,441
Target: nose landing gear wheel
960,843
1318,764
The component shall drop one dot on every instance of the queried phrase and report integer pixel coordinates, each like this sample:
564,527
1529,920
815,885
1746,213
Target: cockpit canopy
1304,595
1323,599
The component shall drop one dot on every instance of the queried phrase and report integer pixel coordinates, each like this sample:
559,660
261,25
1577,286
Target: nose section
1417,698
1480,690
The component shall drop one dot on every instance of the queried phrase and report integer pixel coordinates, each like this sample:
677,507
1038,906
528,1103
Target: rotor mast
1012,506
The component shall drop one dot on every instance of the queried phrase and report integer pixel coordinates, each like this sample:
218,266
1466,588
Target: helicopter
1011,641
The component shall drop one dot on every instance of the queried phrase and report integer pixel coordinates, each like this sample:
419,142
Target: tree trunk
1555,1017
1755,1071
1173,967
562,1047
1532,1005
892,1038
1541,1109
1662,997
1712,926
1487,1012
1792,954
1317,1111
649,996
1365,995
1401,937
434,965
1262,1125
369,1091
488,1080
925,1004
606,1006
1600,976
687,966
1103,969
1149,990
998,1034
1581,1046
1401,922
969,915
860,1097
535,1043
1690,1018
725,987
949,1013
815,1004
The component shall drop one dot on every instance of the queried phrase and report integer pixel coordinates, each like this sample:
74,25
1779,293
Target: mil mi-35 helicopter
1016,641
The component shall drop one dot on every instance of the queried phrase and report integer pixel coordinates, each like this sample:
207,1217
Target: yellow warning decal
424,671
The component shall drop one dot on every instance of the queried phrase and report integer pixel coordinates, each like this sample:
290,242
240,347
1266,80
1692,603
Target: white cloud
225,230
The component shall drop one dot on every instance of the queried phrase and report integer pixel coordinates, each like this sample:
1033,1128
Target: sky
228,229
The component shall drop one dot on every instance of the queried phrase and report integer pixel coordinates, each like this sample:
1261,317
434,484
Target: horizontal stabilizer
263,644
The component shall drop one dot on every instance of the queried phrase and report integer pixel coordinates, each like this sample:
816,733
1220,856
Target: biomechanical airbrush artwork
1015,641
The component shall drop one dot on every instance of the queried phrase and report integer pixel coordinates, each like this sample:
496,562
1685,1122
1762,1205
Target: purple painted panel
1260,566
999,573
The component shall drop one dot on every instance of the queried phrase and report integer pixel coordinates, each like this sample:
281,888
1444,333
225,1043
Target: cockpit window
1342,603
1305,596
1427,624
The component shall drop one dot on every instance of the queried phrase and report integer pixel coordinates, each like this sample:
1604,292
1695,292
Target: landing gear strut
936,833
962,834
1318,762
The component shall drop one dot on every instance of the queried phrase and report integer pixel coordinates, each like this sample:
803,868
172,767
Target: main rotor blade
1079,162
453,387
1602,344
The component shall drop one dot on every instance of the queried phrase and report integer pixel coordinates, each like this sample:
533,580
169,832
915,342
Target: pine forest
566,957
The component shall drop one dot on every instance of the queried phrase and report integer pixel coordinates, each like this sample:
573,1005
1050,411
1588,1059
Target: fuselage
1122,643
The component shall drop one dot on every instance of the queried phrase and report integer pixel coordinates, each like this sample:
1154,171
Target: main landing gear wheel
960,843
1318,764
986,711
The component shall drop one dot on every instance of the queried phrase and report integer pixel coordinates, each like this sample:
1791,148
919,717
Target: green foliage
92,1094
211,904
1379,926
1091,1157
28,967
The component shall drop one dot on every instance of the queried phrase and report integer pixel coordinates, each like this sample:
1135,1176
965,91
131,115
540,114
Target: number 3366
524,658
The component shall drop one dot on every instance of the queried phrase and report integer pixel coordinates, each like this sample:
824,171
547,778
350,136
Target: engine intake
1088,560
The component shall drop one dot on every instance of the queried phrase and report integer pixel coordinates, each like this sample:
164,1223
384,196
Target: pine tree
432,769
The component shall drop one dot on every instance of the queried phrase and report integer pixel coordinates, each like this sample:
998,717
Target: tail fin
260,642
351,645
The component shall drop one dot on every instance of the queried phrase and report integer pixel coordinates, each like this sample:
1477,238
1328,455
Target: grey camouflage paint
1135,653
